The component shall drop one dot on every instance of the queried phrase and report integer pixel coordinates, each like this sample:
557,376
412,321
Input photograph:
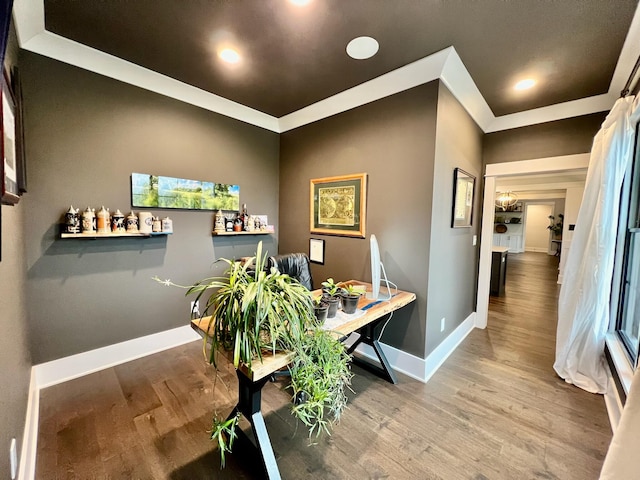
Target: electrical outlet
442,324
13,459
195,309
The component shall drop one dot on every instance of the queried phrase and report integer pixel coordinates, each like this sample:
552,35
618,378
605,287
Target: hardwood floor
494,410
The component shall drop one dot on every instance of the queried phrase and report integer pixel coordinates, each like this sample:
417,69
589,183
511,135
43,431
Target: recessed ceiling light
300,3
525,84
229,55
362,47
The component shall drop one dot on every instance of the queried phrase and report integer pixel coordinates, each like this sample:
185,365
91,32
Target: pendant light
506,200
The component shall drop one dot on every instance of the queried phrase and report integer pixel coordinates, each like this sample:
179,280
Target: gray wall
408,144
392,140
453,266
562,137
15,361
85,135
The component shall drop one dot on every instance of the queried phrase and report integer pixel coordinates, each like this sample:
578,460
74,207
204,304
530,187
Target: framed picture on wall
338,205
463,196
9,164
316,250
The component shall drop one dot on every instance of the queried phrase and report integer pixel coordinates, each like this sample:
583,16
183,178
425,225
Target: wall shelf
93,236
222,234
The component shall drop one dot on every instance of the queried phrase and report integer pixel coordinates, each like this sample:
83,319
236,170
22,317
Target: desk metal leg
369,336
249,400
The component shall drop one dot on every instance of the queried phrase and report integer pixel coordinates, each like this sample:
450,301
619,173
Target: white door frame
564,163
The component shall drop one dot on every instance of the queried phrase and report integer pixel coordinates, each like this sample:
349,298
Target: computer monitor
377,273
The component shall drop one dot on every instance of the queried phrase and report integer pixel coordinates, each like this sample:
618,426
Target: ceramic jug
132,223
167,225
89,220
103,220
145,222
72,220
117,222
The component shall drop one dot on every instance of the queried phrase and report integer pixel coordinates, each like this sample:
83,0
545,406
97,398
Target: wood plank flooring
494,410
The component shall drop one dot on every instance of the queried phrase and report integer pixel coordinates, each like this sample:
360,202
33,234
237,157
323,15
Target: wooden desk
252,379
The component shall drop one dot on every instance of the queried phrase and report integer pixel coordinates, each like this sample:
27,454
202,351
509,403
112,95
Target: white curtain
583,306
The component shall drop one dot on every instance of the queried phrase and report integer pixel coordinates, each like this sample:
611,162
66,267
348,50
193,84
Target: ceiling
294,65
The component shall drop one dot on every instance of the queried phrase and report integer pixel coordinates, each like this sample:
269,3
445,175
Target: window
626,288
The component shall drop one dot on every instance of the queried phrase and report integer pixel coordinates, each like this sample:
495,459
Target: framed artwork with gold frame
338,205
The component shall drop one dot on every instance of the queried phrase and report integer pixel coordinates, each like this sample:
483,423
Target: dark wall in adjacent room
562,137
85,135
15,360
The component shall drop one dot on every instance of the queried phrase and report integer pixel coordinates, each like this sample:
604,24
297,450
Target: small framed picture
463,197
10,189
316,250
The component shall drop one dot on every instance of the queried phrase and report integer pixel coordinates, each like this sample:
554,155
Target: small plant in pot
320,308
331,294
350,298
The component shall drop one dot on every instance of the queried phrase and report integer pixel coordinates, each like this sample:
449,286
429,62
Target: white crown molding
417,73
445,65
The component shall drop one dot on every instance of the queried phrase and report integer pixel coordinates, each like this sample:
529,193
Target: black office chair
296,265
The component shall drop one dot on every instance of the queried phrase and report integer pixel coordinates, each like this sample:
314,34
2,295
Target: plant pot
321,312
334,303
350,303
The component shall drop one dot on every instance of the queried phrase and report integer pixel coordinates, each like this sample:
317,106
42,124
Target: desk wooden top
271,363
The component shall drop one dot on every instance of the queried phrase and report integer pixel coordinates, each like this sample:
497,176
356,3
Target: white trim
539,165
74,366
422,369
27,470
624,369
492,171
574,108
417,73
486,244
538,250
67,368
436,358
445,65
612,401
74,53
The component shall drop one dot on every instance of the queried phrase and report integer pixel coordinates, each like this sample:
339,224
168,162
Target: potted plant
320,374
556,227
320,308
331,293
350,298
253,312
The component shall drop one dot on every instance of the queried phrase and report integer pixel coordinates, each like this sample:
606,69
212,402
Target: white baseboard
74,366
422,369
538,250
27,470
67,368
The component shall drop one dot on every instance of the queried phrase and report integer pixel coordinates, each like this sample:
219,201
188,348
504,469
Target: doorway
552,165
536,234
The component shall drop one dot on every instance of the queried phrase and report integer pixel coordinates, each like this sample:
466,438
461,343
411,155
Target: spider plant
253,311
320,373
